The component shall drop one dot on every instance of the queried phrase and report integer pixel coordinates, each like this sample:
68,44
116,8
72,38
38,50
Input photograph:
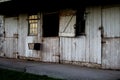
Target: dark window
33,25
80,22
50,25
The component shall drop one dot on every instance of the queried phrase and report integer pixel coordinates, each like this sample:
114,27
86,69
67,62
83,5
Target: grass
15,75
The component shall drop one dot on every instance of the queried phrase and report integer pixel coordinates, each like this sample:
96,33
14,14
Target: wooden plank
50,50
111,45
11,42
84,48
93,35
11,25
67,23
1,36
24,39
111,20
111,54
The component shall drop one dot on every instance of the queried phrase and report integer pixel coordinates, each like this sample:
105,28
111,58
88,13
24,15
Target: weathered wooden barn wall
24,39
49,51
50,46
23,26
102,25
17,39
111,38
1,36
71,49
85,48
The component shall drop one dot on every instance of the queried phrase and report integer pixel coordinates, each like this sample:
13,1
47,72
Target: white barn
86,34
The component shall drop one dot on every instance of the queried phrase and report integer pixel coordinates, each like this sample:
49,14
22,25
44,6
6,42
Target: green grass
15,75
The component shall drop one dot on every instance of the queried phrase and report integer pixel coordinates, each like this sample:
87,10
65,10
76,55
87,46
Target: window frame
31,23
47,22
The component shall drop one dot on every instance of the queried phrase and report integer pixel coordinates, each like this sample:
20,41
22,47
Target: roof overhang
19,6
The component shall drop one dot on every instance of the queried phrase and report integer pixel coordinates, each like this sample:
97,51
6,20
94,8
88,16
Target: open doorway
50,24
50,40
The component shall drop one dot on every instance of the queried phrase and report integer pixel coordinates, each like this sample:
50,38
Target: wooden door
50,41
50,49
111,37
11,37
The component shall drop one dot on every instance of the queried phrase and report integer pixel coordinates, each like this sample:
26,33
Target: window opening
33,25
80,22
50,25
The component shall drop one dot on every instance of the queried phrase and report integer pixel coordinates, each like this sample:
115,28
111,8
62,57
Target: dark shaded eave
23,6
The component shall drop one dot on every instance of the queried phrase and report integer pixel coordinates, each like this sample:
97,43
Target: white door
111,37
11,37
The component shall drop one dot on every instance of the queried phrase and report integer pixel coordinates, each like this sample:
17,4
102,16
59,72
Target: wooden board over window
67,23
